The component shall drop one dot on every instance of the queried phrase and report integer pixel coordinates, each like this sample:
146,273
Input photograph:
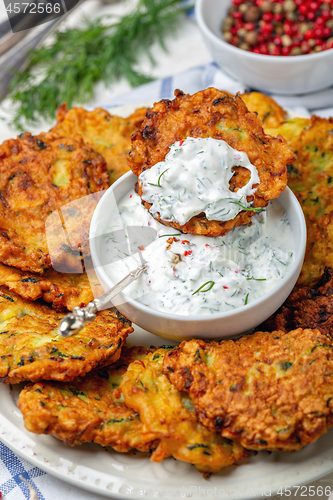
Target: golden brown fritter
169,416
269,112
306,308
311,179
270,391
290,129
38,175
212,113
107,134
30,348
64,291
85,409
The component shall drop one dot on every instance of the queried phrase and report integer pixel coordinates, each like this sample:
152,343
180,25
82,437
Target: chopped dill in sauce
192,274
196,180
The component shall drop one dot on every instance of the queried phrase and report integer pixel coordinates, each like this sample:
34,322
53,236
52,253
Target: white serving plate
132,476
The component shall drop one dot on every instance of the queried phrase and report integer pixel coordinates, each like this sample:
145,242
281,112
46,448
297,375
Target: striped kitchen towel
210,75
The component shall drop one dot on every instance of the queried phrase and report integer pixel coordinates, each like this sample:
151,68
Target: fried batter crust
37,176
212,113
269,112
107,134
269,391
30,348
85,410
170,416
64,291
306,308
310,177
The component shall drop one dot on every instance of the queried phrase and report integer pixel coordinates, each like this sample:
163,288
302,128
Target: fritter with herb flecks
107,134
38,176
267,391
306,308
63,290
269,112
212,113
85,409
310,177
169,415
30,348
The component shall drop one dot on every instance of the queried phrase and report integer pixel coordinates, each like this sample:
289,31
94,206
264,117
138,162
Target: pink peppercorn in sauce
198,275
280,27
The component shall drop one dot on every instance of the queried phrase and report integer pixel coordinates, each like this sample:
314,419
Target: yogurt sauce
192,274
194,178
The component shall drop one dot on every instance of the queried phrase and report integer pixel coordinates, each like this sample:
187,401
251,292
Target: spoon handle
73,322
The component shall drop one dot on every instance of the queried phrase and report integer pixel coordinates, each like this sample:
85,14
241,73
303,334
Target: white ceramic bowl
279,74
215,326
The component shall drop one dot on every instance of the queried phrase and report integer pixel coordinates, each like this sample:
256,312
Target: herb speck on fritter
38,176
85,410
169,415
267,391
30,348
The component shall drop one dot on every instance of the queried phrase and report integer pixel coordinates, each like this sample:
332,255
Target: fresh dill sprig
209,285
256,279
101,50
248,209
169,235
158,181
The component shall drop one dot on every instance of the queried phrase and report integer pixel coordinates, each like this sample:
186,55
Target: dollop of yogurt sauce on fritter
194,178
192,274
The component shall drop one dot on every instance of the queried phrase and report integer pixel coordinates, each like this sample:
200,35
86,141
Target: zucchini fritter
269,112
306,308
290,129
212,113
30,348
270,391
85,409
107,134
170,416
310,177
38,175
64,291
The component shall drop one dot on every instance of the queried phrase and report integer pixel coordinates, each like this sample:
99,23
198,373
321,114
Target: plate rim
20,441
26,445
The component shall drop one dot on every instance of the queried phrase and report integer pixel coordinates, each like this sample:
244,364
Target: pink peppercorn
280,27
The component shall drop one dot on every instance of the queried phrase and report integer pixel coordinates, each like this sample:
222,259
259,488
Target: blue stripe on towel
15,466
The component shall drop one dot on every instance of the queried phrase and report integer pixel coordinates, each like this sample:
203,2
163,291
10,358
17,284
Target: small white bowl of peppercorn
281,46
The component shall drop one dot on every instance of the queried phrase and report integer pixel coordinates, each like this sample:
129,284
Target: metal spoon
73,322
